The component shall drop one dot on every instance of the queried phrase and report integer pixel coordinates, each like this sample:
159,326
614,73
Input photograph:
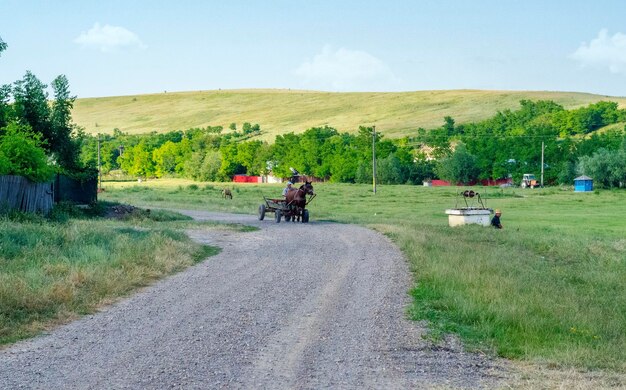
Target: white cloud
109,38
605,51
346,70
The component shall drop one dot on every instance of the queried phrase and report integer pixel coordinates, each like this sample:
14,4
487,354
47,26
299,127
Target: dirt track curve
316,305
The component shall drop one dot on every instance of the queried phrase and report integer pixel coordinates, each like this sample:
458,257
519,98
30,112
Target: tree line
505,145
206,154
509,143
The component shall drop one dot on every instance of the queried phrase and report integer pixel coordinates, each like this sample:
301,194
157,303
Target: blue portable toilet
583,184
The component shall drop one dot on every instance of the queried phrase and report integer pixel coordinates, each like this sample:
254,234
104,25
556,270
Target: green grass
395,114
614,126
52,270
547,288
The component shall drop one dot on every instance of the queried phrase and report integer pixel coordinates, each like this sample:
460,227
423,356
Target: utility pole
99,167
542,149
374,158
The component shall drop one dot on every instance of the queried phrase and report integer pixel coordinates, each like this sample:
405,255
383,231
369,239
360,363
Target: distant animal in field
227,193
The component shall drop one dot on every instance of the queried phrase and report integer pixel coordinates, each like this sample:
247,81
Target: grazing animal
296,199
227,193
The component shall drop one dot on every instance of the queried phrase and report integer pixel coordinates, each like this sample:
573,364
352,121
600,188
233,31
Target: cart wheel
287,218
278,214
305,216
261,212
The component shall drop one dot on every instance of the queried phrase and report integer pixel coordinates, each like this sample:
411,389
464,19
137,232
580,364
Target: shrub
25,155
5,164
460,167
606,167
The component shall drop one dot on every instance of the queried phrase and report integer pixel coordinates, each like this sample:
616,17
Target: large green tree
287,153
459,167
230,164
165,159
170,157
137,160
62,143
607,168
31,107
315,154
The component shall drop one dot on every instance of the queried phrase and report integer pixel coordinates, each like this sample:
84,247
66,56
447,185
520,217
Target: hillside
614,126
395,114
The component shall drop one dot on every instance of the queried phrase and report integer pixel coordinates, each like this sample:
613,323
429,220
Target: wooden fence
67,189
19,193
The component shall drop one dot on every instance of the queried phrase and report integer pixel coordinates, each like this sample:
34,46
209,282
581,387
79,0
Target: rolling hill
395,114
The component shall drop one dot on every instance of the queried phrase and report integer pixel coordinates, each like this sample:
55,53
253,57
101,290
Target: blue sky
110,48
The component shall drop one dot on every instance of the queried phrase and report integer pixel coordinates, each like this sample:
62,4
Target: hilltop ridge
279,111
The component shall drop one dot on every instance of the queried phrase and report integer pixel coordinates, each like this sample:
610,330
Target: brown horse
296,199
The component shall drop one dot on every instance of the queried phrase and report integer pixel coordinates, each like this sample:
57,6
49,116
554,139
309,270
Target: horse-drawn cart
292,208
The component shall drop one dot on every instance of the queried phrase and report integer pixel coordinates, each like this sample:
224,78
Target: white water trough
469,215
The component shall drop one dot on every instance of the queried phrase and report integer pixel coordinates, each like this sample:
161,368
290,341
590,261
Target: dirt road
292,305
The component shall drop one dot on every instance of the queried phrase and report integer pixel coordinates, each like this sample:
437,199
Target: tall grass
525,294
52,271
548,288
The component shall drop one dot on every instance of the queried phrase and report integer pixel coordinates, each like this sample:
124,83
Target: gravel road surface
293,305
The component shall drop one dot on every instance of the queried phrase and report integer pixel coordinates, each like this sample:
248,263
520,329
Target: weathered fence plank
67,189
19,193
10,188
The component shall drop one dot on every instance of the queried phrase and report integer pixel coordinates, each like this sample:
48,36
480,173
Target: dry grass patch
395,114
536,377
50,272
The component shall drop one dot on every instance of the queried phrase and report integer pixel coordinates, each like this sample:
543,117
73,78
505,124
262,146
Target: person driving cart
287,189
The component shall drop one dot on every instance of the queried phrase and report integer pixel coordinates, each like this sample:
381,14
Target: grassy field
548,288
54,270
614,126
395,114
